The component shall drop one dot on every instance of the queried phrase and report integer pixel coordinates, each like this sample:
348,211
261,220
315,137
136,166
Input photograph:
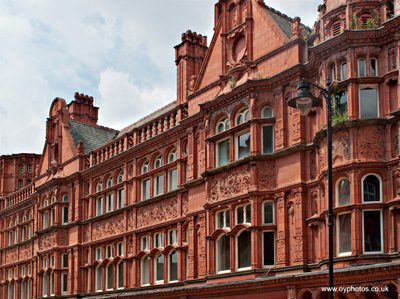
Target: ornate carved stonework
341,145
371,143
64,238
313,165
11,255
267,175
47,241
394,133
131,220
230,184
86,234
157,212
108,227
190,166
202,161
185,204
25,252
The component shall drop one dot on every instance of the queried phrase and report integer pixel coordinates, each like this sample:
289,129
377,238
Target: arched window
343,192
109,182
29,168
110,276
145,270
242,116
53,199
28,182
159,162
65,198
223,255
173,266
159,269
145,167
120,275
20,184
45,278
362,72
244,250
99,278
267,112
99,186
371,188
172,156
45,202
120,177
343,70
344,234
21,168
222,125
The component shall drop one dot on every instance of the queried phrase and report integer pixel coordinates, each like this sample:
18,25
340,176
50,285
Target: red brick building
223,191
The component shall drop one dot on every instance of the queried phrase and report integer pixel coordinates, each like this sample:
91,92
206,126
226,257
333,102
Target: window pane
244,145
145,189
372,231
159,184
371,189
268,213
173,266
248,214
368,102
268,139
344,71
361,68
269,248
344,233
240,214
99,278
267,112
120,275
65,214
223,152
244,250
341,101
227,219
220,218
160,268
65,282
344,192
145,271
173,179
223,253
373,69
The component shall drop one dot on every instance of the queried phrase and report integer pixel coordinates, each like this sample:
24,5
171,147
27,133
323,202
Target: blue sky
120,52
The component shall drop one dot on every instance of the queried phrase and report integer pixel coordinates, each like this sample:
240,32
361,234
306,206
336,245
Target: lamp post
304,101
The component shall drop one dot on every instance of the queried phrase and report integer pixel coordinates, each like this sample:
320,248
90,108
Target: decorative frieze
108,227
266,175
157,212
47,240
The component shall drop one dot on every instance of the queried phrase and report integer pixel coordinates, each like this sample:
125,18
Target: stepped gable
92,136
171,106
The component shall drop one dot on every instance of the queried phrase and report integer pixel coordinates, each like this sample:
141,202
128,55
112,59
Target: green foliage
232,82
260,75
371,23
338,117
305,32
353,24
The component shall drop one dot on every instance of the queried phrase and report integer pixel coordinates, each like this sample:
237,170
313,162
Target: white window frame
380,187
337,190
99,206
263,261
99,286
381,232
272,141
120,177
145,167
217,154
173,239
64,213
156,184
263,213
342,74
376,66
237,135
99,186
170,186
120,249
155,269
372,86
120,198
225,122
244,112
99,253
63,260
160,161
109,251
109,202
218,255
338,237
110,265
358,67
244,212
159,238
145,243
118,280
169,266
142,270
110,182
237,252
64,277
223,213
51,283
143,189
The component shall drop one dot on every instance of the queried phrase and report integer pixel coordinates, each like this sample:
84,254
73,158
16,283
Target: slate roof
283,21
92,136
171,106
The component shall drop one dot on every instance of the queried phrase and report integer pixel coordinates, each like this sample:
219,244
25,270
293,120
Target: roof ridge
95,126
149,115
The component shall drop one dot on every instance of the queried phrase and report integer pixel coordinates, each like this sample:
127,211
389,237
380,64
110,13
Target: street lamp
304,101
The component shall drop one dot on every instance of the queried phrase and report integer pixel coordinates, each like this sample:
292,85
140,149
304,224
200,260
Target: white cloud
123,102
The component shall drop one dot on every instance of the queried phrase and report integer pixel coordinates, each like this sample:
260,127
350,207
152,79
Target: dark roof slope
283,21
92,136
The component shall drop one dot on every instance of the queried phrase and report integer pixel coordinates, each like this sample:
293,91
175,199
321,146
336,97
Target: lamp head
304,99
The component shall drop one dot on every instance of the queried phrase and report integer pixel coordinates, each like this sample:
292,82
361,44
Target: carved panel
157,212
341,145
185,204
25,251
86,234
394,133
279,136
108,227
11,255
266,175
64,238
230,184
371,143
131,220
202,161
47,241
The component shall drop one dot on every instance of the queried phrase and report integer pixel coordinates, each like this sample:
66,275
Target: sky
118,51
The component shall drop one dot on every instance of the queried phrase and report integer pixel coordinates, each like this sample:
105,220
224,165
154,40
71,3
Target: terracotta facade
223,192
